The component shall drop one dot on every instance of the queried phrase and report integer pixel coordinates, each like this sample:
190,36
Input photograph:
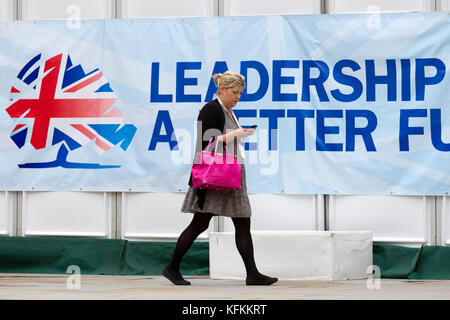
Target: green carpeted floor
123,257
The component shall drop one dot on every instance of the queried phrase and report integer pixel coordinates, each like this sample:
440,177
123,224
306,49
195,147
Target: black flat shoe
175,277
261,280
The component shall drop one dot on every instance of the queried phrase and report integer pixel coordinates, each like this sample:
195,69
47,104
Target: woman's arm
238,133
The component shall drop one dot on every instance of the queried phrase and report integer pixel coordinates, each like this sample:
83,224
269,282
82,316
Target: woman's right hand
238,133
249,132
242,132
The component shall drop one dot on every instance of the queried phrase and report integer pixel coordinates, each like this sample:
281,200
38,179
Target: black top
210,123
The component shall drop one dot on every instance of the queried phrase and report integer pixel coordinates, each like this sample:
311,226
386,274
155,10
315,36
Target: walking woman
217,119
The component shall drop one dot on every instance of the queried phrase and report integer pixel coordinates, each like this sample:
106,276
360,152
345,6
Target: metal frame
443,219
18,7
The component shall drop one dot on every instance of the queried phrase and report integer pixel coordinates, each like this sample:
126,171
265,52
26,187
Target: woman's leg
199,224
244,245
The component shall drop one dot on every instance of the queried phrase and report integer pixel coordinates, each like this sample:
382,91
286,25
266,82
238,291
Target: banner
345,104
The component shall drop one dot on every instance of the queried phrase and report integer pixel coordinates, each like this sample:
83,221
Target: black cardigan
210,123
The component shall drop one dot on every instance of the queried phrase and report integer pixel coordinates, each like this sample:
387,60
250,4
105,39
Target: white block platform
295,255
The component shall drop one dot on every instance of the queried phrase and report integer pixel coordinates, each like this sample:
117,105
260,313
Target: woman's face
230,96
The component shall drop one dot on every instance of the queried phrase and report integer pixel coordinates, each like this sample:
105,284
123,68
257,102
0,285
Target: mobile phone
253,126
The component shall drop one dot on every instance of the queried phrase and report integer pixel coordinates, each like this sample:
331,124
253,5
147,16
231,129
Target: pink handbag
218,171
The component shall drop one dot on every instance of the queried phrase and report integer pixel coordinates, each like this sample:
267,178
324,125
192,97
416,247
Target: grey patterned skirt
221,203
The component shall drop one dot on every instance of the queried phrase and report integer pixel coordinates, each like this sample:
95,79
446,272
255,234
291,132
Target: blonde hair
228,79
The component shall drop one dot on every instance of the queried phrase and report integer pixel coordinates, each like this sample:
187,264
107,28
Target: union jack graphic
67,105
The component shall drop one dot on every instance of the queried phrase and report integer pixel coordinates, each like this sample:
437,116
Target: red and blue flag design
65,104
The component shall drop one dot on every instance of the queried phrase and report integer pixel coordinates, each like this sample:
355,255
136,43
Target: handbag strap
210,140
215,147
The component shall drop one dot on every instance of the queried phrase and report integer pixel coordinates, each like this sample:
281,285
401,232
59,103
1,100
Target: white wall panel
445,221
6,10
267,7
394,219
66,213
167,8
66,9
362,6
155,215
6,211
278,212
443,5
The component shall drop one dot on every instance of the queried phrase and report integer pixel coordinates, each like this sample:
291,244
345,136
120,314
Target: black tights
199,224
